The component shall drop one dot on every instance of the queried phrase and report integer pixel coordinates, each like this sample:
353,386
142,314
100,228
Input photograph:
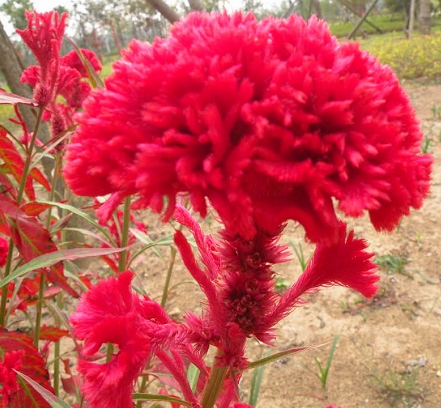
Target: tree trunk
196,5
317,7
424,19
165,10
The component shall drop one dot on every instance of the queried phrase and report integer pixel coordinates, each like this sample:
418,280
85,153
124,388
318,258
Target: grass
398,387
393,263
387,23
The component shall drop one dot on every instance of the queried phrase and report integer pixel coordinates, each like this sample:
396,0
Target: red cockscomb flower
111,313
270,120
44,37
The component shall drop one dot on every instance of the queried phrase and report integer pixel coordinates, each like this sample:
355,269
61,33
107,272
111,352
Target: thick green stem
122,265
214,385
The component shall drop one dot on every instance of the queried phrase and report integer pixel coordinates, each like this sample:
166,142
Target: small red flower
111,313
55,75
4,249
8,377
270,120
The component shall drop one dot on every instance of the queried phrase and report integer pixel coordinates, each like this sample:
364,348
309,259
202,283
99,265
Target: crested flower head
44,37
268,120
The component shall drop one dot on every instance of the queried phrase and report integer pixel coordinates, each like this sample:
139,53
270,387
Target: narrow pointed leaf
81,214
7,98
156,397
94,78
52,258
52,333
51,399
277,356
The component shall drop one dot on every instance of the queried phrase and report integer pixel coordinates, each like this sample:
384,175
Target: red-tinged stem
214,384
29,152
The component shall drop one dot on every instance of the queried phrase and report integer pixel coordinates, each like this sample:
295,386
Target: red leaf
7,187
30,363
52,333
72,384
32,239
13,163
12,99
40,178
34,208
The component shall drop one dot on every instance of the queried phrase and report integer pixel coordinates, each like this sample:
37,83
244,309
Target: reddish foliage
20,354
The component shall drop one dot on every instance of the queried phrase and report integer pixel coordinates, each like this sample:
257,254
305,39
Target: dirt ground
389,347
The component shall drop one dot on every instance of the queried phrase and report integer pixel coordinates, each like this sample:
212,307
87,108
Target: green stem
142,388
57,348
39,308
173,253
214,385
57,367
54,183
122,265
5,288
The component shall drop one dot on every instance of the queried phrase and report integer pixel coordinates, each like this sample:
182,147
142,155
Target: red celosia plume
270,120
111,313
344,263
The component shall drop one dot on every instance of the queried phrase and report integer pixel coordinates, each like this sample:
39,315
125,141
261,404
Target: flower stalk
122,264
214,384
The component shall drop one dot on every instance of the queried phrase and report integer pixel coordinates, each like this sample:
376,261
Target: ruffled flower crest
268,120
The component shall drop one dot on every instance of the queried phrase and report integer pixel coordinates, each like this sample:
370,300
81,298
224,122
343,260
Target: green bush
417,57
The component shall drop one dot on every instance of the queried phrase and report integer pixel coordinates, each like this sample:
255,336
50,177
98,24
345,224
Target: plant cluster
260,122
419,56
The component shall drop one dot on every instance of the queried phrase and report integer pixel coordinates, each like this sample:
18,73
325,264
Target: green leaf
276,356
80,213
50,398
94,79
52,258
255,384
193,376
156,397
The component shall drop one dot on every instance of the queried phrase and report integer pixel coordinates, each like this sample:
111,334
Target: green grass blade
325,373
256,382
